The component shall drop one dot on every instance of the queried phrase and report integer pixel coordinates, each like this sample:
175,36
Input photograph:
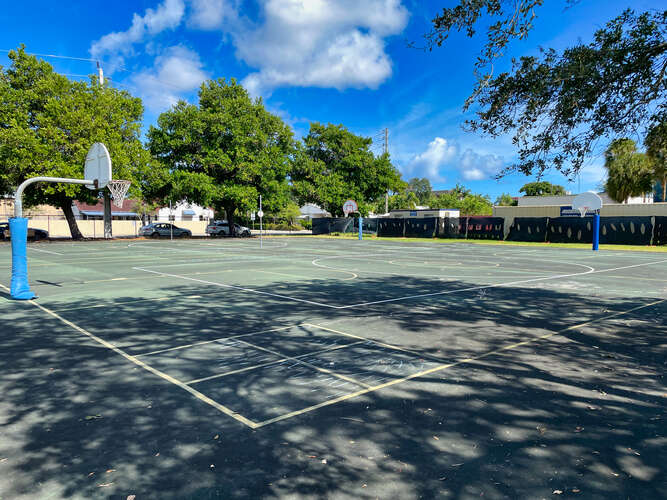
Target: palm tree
656,150
629,173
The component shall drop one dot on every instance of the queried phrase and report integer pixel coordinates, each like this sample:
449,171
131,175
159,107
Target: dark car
158,229
33,234
221,228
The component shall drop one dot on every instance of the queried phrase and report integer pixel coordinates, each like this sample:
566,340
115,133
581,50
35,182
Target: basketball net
583,210
118,191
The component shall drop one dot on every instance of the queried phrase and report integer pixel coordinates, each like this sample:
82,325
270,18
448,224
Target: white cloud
431,162
475,167
167,15
442,157
211,14
321,43
177,71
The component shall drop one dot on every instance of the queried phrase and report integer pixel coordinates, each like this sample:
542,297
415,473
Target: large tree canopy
542,188
559,105
629,172
421,188
47,125
227,151
334,164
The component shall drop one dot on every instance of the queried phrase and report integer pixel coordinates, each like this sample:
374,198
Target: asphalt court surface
289,364
280,333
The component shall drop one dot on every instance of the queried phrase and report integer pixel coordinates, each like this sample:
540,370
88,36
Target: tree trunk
230,219
66,207
108,231
664,188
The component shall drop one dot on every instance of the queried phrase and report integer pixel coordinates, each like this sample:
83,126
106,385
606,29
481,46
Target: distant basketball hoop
586,203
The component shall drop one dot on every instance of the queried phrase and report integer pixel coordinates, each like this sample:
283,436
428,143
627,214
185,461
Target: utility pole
386,150
100,73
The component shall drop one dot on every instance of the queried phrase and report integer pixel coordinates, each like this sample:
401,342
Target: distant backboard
98,166
587,202
350,206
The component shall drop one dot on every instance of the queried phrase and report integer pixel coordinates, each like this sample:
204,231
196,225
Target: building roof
423,209
128,206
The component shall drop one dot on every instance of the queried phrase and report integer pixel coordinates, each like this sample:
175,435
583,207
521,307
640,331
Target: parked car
158,229
33,234
221,228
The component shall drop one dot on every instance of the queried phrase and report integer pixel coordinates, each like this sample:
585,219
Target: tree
560,104
333,164
463,199
290,212
629,173
656,150
422,188
505,200
407,200
47,125
226,151
476,204
542,188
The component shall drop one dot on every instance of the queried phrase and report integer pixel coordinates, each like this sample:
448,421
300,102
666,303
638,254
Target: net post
596,231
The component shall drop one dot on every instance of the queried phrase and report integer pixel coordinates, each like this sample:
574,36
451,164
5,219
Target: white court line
45,251
591,270
532,280
223,285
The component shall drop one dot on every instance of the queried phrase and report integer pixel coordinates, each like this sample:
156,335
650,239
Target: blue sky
338,61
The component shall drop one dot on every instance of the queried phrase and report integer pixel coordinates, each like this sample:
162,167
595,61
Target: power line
54,55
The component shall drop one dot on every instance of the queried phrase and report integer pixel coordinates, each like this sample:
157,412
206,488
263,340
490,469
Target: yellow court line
382,344
444,367
215,340
300,361
268,363
202,397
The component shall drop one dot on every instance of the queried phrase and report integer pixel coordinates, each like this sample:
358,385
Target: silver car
159,229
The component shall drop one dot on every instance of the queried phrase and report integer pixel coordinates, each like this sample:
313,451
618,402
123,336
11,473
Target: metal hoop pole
18,202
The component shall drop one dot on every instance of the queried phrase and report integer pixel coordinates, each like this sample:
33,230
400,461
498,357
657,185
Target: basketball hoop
118,191
583,211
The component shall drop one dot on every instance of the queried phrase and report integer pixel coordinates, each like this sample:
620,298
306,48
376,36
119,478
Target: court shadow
487,396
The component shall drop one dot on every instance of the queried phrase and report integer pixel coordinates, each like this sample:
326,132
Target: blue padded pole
20,290
361,223
596,232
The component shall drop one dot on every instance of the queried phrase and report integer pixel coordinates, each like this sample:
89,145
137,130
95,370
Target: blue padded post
20,290
361,223
596,232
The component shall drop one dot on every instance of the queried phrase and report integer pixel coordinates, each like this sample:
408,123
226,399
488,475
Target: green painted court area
325,368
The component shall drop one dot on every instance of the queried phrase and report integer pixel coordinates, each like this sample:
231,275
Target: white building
424,212
184,211
566,200
312,211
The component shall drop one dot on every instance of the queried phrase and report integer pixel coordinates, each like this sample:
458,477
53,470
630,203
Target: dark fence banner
421,228
570,230
635,230
391,227
529,229
328,225
448,227
482,228
660,231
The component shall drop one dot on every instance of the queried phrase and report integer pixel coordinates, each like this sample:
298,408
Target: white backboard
98,166
588,201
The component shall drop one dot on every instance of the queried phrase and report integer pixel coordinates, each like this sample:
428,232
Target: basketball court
310,367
